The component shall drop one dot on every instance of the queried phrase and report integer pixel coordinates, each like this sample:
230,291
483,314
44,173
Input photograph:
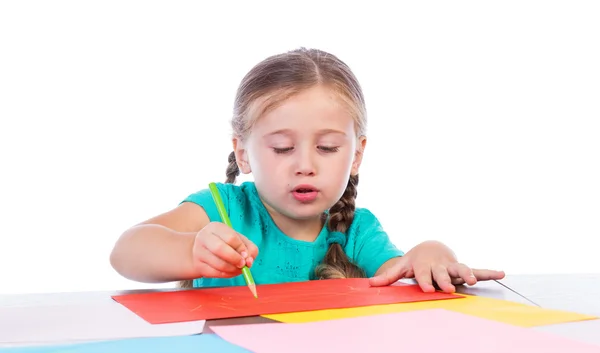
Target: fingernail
249,261
244,254
242,263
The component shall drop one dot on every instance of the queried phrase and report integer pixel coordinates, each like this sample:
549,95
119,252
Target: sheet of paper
227,302
99,319
208,343
488,308
432,330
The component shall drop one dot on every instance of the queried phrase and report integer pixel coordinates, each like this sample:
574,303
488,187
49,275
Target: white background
114,111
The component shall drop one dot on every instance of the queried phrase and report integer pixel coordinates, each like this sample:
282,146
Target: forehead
317,108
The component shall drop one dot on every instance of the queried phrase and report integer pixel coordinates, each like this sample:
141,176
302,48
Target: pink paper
435,330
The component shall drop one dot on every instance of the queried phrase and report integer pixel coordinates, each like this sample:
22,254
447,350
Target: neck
299,229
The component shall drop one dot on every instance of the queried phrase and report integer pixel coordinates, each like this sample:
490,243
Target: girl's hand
219,251
428,262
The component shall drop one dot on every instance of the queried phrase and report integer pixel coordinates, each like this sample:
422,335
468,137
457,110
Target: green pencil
221,208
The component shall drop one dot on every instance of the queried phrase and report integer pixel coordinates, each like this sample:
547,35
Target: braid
185,284
342,213
232,172
232,169
336,264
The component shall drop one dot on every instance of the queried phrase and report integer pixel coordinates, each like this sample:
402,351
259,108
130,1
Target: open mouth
305,193
305,189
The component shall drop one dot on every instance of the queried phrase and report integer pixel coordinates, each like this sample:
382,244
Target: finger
458,281
206,271
218,245
216,262
252,250
423,277
231,237
462,271
442,278
486,275
391,275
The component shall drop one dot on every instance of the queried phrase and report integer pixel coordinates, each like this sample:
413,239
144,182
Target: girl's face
302,153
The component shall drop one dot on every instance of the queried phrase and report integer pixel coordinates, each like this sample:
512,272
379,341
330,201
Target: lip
305,186
307,196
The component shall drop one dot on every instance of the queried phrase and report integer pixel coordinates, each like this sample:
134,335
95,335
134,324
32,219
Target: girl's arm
160,249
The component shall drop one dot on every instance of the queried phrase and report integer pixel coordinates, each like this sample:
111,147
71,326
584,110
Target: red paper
228,302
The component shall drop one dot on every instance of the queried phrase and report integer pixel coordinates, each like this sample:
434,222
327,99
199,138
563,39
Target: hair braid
232,169
336,263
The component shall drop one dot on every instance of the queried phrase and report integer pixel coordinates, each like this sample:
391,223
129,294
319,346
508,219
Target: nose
305,163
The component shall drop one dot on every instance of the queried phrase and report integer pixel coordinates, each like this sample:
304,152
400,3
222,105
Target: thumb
392,274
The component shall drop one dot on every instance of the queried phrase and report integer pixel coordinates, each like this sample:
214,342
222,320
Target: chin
304,216
298,212
304,212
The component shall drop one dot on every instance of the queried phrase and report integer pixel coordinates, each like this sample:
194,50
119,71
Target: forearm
152,253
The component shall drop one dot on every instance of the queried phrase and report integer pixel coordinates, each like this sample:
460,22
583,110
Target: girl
299,126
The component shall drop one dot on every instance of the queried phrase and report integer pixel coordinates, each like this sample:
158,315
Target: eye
282,150
328,149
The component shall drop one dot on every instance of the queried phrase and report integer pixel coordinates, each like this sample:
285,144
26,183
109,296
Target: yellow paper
488,308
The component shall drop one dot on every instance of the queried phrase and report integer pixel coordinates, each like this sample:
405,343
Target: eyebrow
290,132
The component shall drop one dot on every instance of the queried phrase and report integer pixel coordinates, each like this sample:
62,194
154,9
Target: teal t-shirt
281,258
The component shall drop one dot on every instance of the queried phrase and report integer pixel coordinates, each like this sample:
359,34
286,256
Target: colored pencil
221,208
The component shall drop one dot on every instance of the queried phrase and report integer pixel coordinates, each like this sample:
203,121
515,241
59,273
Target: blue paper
175,344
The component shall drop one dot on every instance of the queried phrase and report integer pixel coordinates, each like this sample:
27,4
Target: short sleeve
204,199
373,247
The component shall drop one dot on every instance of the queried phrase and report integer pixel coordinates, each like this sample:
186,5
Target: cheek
337,170
345,160
263,163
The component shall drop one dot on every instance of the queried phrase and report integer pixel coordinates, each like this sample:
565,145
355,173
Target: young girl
299,126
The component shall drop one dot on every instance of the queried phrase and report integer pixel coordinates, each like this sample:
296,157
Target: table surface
578,293
574,293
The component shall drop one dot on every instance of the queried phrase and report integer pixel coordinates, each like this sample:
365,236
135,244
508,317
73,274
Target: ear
358,155
241,156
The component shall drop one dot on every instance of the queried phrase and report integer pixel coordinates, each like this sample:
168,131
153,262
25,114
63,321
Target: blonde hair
270,83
